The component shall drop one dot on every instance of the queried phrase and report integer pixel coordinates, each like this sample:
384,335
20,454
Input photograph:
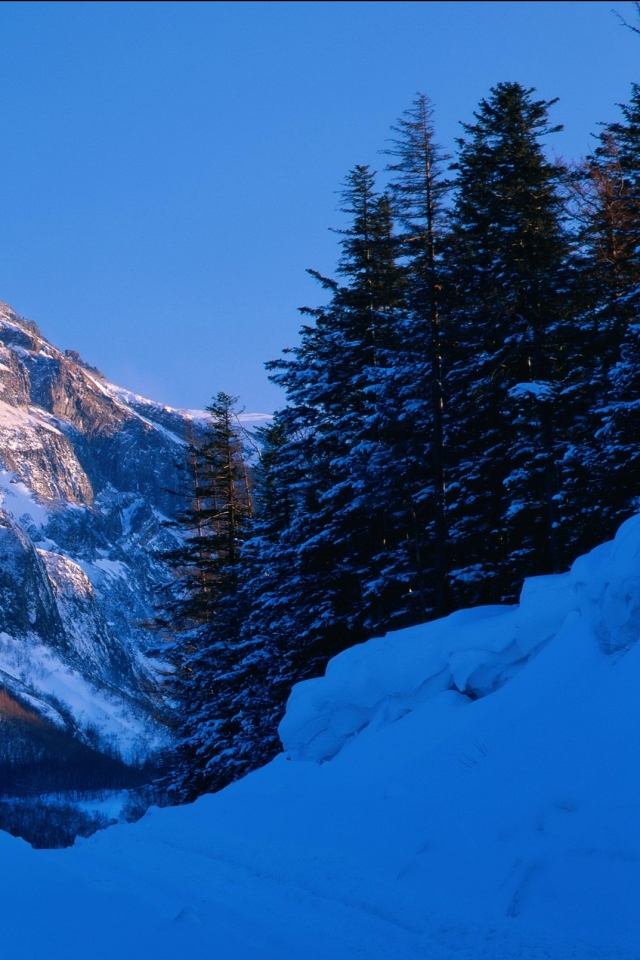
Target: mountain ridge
86,474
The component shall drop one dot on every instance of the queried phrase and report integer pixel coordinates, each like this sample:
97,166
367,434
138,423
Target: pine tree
333,589
611,236
506,278
269,665
419,193
205,652
183,602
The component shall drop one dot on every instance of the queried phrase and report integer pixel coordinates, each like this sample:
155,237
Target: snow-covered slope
482,801
85,473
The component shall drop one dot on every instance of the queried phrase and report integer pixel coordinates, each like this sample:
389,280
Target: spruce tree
269,665
183,602
508,309
205,652
611,236
419,194
334,546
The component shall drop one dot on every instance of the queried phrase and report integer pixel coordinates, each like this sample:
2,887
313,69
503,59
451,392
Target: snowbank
462,816
472,652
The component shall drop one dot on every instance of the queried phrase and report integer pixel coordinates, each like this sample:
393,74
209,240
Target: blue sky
169,170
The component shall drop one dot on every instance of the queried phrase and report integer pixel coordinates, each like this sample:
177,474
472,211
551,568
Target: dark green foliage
46,772
602,468
53,820
37,757
206,606
507,263
414,391
213,524
618,438
49,825
338,543
462,413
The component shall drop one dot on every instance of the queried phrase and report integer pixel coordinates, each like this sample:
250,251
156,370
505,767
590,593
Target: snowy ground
443,826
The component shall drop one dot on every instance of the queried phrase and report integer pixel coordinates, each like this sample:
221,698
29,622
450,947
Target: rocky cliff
86,470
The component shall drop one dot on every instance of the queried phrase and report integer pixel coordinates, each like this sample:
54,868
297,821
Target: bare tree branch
624,23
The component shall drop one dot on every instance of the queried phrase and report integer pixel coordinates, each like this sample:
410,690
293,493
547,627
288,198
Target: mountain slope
87,471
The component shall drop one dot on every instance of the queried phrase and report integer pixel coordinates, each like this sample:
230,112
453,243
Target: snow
18,500
538,389
495,824
92,630
136,404
263,418
128,397
249,418
38,669
14,419
472,651
114,568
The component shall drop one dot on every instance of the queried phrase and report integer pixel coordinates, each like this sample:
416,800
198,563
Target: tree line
462,411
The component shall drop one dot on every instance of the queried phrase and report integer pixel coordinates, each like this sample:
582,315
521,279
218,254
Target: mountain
465,789
88,474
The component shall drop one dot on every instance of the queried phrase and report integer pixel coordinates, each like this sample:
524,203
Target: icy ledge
472,652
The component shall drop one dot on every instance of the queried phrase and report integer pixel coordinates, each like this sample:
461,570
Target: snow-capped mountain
86,474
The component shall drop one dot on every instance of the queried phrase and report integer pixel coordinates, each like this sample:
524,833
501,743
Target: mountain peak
85,475
9,315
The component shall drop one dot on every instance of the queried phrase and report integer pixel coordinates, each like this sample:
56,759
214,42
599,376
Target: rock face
86,470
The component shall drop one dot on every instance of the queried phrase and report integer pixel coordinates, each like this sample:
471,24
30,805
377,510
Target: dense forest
463,411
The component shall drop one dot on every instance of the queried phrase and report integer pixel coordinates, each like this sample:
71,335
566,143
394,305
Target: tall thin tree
205,650
506,262
418,191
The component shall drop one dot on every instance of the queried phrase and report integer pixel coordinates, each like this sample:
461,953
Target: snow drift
472,652
468,789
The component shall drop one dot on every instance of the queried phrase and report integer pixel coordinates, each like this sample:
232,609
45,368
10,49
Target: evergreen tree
184,602
206,652
269,653
332,589
611,235
508,314
419,193
530,333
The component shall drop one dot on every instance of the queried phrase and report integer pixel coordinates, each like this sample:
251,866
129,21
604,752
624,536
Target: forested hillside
461,411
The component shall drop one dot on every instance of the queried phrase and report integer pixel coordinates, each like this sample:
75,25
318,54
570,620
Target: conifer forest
462,410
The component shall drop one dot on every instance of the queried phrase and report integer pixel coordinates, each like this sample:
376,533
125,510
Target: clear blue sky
169,170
